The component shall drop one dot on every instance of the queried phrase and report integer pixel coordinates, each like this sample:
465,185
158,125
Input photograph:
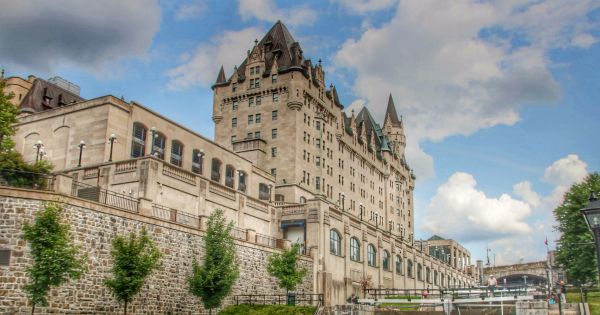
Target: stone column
63,184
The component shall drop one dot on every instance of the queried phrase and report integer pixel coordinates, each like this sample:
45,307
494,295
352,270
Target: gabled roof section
372,128
278,44
390,114
436,238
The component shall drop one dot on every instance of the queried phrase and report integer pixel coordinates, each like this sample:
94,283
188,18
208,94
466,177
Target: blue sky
499,97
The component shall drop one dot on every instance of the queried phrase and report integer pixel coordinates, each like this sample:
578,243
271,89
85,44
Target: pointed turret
220,78
390,114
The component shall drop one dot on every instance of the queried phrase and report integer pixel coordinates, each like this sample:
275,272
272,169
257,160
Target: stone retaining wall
94,226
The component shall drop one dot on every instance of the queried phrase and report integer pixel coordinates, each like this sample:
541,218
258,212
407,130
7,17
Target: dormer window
274,78
234,87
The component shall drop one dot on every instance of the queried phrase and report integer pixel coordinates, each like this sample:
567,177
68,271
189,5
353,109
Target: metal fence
279,299
107,197
28,180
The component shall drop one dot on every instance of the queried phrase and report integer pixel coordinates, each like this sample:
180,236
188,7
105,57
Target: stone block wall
94,227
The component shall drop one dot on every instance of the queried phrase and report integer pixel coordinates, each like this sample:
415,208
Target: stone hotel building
287,165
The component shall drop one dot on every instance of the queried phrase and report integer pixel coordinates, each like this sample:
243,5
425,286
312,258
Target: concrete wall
94,226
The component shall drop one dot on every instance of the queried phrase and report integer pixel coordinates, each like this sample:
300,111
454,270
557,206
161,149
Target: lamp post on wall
240,175
270,188
591,213
81,145
360,205
111,141
152,136
38,146
343,195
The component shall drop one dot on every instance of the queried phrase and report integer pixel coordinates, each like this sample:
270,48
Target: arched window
158,145
197,161
428,274
399,264
386,260
176,153
435,277
409,269
302,199
264,192
442,277
335,242
419,272
354,249
215,173
229,176
242,181
371,255
138,142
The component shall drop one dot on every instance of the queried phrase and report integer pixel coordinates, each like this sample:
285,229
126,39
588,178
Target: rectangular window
251,70
233,122
318,125
318,183
274,152
235,105
318,143
318,160
274,78
249,135
257,83
274,115
273,133
257,134
257,70
233,87
233,138
258,100
276,97
251,83
257,118
250,119
274,172
250,101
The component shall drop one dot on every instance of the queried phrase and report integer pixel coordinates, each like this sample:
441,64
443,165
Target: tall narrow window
257,118
371,255
234,87
258,100
215,171
250,119
428,274
197,159
242,181
274,78
138,143
274,152
335,242
229,176
276,97
274,115
235,104
419,272
158,145
399,264
409,268
354,249
263,191
233,122
386,260
273,133
250,101
176,153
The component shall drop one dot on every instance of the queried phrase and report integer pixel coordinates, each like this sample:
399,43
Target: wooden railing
179,174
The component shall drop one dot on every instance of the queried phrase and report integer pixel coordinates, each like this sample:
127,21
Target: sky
499,98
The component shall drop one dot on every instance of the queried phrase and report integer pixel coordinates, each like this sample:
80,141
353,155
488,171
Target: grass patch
267,310
401,306
404,297
593,299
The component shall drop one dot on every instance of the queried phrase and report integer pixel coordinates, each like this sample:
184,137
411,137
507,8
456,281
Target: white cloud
267,10
584,40
566,171
45,35
453,67
460,211
190,11
525,191
227,49
365,6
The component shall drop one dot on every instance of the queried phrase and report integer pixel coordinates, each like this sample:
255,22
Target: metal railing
107,197
453,293
279,299
28,180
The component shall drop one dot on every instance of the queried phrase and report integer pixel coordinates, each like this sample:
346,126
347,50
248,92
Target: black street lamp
38,146
361,210
81,145
111,141
591,213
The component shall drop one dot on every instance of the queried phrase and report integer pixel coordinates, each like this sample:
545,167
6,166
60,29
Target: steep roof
44,95
372,128
436,238
221,77
278,44
390,113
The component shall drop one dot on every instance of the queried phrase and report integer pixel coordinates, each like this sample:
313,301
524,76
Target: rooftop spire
390,113
221,76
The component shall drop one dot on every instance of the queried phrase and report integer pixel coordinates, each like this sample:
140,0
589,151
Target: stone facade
93,227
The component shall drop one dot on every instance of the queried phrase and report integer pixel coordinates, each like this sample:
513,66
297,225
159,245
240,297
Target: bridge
531,273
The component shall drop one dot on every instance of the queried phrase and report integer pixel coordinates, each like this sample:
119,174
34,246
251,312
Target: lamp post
360,205
343,195
38,146
270,188
152,136
591,213
240,175
81,145
111,141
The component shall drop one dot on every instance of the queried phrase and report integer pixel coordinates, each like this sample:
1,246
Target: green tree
55,258
575,252
135,257
8,117
212,281
283,266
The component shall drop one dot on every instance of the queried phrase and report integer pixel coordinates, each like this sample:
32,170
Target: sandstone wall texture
93,228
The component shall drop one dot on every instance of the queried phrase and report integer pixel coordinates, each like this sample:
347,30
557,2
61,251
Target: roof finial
319,61
255,41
